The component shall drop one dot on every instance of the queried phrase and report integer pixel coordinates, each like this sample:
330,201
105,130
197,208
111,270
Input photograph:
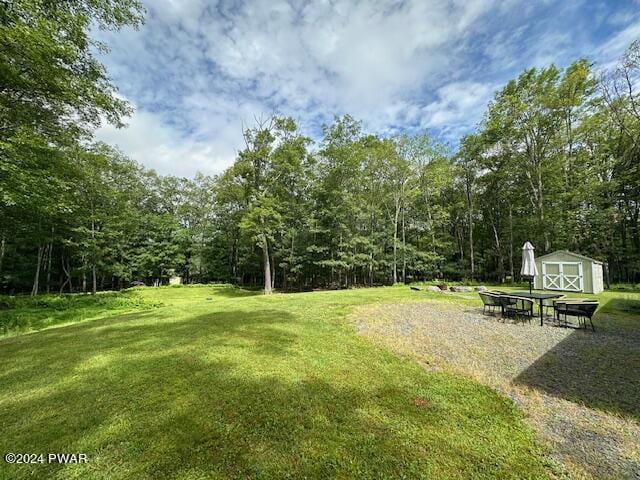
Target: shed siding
587,272
592,281
598,278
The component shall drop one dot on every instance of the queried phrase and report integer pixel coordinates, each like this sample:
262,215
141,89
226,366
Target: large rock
481,288
433,288
462,288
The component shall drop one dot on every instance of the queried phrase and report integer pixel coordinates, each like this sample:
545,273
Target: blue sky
198,70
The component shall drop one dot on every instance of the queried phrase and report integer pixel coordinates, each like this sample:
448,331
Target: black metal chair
505,302
550,304
583,309
490,302
559,304
519,308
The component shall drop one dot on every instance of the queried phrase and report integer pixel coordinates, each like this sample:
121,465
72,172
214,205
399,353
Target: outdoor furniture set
519,305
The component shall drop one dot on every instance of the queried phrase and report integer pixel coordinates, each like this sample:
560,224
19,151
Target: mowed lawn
224,383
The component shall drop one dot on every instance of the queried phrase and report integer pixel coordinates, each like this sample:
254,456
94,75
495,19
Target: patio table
536,296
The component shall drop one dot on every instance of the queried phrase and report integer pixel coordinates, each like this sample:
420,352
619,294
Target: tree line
555,160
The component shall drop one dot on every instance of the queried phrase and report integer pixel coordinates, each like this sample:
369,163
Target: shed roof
566,252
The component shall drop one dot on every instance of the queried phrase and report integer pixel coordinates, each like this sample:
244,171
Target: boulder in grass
434,288
481,288
462,288
417,289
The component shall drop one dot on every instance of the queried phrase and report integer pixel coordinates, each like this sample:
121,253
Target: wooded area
555,160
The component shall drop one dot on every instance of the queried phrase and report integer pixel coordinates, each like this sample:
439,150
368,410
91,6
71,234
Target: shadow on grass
143,333
208,421
234,292
599,370
230,395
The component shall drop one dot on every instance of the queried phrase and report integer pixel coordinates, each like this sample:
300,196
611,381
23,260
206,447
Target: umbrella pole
530,282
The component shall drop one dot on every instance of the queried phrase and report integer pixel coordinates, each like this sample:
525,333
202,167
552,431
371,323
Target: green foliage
20,314
555,161
48,69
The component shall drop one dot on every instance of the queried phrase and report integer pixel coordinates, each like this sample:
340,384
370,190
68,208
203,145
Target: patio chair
560,302
505,302
583,309
490,302
519,308
550,304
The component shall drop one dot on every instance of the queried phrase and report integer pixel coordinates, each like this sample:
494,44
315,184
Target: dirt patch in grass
579,390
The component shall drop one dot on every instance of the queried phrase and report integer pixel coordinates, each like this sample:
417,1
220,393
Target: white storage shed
568,271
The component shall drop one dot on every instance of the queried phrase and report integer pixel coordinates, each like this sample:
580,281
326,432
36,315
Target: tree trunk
36,279
49,256
2,250
404,250
340,268
284,279
430,221
468,185
471,252
267,266
372,243
66,268
93,259
273,271
496,237
395,242
511,267
547,241
235,260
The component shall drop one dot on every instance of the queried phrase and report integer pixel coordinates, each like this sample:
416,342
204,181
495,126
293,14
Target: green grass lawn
222,383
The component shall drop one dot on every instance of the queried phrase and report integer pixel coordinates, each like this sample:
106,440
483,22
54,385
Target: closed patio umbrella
529,268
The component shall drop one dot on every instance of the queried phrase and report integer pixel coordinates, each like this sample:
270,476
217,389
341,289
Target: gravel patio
579,390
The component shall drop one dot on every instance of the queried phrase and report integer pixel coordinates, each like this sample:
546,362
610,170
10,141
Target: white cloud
456,104
344,55
199,70
204,70
616,45
156,145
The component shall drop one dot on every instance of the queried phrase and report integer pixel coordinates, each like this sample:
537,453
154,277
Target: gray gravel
539,368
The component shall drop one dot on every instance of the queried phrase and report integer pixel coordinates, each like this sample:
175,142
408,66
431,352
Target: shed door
598,280
562,276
